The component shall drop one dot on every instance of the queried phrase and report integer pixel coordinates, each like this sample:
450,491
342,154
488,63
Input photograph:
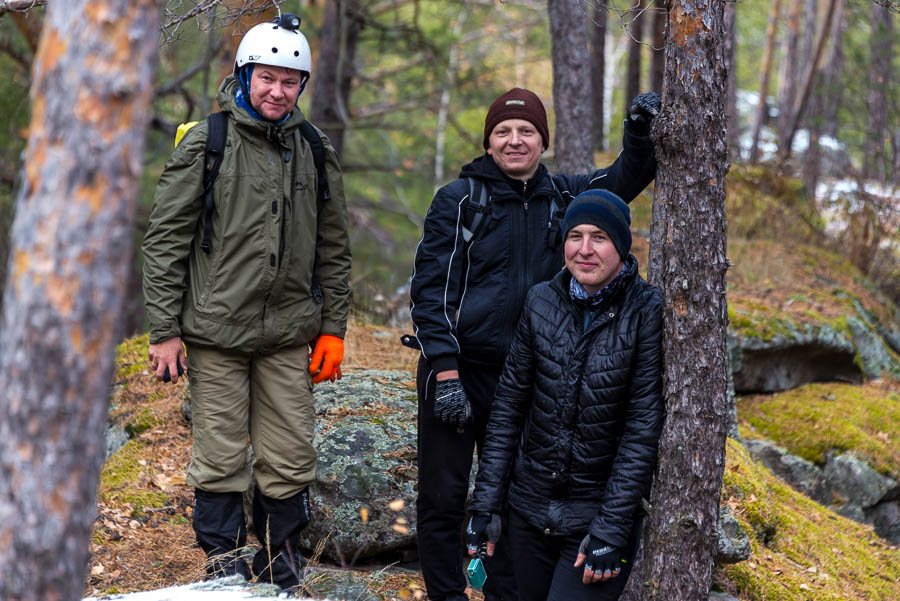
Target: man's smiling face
516,147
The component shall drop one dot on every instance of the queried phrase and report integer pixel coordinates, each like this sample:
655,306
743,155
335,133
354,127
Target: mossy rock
364,497
800,550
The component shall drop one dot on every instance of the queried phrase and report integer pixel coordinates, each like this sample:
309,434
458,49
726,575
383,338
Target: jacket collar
503,186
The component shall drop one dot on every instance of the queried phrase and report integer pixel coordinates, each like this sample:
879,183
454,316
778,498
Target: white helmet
279,44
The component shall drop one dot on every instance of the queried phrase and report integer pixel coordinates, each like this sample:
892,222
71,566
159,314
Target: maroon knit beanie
517,104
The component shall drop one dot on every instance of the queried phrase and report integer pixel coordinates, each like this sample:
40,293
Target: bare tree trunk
689,213
72,246
571,97
784,149
765,71
810,9
789,70
635,46
881,51
734,129
895,156
658,50
822,118
329,106
598,68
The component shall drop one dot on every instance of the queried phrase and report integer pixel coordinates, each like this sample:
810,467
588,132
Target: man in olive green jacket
273,281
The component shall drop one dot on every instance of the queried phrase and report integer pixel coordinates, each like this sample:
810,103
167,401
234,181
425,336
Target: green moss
800,550
140,423
131,357
817,418
754,320
119,480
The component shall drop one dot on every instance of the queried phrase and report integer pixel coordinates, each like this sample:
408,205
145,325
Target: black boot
221,532
278,523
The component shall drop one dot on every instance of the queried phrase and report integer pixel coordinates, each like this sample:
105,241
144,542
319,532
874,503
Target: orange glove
325,361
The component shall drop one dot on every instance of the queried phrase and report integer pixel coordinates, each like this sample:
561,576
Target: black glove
482,527
642,110
451,405
601,557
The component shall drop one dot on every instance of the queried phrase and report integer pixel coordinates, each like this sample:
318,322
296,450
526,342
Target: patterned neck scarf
597,299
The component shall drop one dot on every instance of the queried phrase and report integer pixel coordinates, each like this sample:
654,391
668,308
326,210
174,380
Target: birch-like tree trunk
572,95
765,73
598,70
331,80
688,264
72,243
877,133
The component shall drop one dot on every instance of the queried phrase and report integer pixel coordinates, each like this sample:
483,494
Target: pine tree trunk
72,245
331,80
765,71
635,47
688,243
658,46
572,96
598,70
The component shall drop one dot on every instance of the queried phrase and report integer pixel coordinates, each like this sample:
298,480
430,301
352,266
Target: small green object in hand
476,573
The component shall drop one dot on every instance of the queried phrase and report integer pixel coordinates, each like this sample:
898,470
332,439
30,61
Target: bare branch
8,6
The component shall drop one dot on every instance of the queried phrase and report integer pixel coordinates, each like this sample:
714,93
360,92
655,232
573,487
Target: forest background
402,87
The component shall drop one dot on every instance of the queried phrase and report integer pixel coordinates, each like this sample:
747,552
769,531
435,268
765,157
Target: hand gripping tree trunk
572,95
688,264
72,241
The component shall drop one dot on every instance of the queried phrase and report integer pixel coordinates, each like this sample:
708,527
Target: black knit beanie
517,104
605,210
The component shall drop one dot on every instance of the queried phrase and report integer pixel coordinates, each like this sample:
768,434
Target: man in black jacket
572,439
473,267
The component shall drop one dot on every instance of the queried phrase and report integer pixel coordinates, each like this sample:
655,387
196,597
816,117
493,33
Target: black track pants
544,565
445,461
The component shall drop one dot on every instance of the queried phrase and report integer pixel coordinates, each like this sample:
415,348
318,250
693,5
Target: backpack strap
310,134
476,208
217,132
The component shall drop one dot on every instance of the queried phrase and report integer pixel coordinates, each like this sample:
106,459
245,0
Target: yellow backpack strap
183,129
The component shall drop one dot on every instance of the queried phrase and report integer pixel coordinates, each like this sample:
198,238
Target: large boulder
364,497
799,473
845,484
802,354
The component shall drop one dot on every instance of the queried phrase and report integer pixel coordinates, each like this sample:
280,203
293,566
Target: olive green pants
268,398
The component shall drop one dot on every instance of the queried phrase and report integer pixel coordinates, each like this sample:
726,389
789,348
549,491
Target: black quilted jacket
577,415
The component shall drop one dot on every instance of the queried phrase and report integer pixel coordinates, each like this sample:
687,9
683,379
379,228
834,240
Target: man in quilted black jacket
467,294
571,443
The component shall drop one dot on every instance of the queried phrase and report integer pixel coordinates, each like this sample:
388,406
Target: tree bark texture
598,70
688,242
658,49
572,95
877,133
765,73
635,47
71,250
333,74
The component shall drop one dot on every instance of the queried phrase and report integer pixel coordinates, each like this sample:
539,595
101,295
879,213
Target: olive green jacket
253,292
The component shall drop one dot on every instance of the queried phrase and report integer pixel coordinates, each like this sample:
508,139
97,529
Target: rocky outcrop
732,542
364,497
845,484
812,354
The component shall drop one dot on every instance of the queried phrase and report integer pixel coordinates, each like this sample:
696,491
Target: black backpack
217,124
479,204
